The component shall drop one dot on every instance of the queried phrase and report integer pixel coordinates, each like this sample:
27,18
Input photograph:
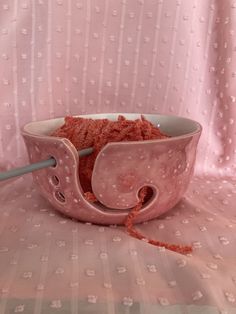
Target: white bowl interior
170,125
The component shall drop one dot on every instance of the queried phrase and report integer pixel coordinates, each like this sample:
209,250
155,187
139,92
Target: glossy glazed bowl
120,171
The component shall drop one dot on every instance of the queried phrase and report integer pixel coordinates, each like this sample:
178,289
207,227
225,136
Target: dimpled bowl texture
165,165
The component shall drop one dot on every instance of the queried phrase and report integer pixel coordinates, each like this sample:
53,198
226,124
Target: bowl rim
25,130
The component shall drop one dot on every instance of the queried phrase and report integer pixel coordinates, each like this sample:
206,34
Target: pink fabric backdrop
73,57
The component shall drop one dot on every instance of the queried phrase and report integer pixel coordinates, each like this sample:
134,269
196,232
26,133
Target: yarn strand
84,133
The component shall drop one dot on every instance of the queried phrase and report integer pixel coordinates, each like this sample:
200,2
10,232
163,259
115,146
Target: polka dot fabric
72,57
51,264
66,57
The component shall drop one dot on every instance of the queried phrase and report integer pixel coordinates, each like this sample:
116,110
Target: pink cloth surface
51,264
73,57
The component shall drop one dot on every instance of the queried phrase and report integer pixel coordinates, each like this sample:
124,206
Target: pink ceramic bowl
165,165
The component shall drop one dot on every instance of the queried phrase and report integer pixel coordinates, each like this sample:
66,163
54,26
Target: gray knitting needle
51,162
